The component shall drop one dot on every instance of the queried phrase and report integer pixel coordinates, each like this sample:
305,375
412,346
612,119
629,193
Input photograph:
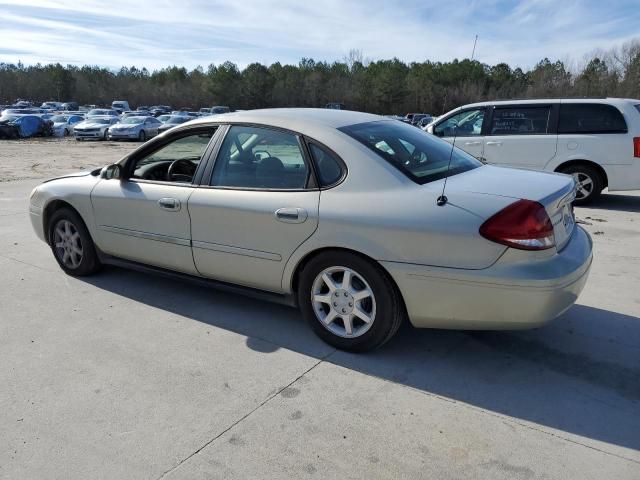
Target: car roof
292,118
525,101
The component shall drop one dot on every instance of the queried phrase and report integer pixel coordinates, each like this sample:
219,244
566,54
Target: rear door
258,205
466,128
522,136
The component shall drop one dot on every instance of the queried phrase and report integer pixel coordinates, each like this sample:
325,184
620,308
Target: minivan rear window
590,118
421,157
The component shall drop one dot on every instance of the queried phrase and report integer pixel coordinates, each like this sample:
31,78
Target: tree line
383,86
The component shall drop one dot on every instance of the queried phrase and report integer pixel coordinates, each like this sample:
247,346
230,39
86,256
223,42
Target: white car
135,128
595,140
63,125
94,128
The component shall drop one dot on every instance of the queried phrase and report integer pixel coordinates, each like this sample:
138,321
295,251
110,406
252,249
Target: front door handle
473,143
171,204
497,144
291,215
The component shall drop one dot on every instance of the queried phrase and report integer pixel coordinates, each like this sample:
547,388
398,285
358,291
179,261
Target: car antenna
441,201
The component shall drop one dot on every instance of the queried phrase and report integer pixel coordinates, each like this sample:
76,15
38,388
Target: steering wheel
172,176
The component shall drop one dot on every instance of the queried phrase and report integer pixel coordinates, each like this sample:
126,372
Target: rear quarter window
590,118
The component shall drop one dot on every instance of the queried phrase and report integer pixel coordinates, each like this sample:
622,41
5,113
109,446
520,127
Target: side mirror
111,172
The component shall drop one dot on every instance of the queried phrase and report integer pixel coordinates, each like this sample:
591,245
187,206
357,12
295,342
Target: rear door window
522,120
590,118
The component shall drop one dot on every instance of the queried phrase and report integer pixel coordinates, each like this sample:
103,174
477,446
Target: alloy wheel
68,246
343,302
584,185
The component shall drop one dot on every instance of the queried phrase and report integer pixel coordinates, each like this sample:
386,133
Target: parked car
101,112
310,207
163,118
70,106
135,128
335,106
172,121
94,128
120,106
25,126
205,111
217,110
63,124
423,121
21,111
595,140
55,106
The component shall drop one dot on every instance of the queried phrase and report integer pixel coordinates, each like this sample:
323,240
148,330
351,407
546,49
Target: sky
160,33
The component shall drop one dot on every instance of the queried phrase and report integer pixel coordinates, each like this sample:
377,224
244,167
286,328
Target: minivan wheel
349,302
71,243
588,180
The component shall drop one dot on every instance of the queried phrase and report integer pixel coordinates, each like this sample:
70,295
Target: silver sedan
360,221
135,127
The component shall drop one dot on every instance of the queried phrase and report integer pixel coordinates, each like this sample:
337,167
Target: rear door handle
172,204
291,215
497,144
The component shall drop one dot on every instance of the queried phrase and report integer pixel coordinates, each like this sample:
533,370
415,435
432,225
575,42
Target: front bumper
85,134
505,296
115,135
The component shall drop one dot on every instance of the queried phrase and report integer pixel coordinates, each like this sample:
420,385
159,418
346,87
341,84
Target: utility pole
473,53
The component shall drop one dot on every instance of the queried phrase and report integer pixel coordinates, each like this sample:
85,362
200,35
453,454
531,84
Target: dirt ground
51,157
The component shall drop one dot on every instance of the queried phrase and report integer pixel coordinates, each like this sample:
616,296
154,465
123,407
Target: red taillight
636,147
523,224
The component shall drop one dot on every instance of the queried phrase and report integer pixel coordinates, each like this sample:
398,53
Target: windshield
59,118
132,120
422,157
100,121
164,118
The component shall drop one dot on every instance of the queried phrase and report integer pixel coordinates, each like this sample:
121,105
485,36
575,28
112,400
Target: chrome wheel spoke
361,294
322,298
60,244
346,280
362,315
348,324
328,281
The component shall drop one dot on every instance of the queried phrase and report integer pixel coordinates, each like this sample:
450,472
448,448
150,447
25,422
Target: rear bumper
623,177
504,296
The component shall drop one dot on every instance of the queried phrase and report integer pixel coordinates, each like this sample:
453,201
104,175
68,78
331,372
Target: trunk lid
554,191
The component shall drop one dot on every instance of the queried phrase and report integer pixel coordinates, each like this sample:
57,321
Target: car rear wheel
588,180
142,136
71,243
349,301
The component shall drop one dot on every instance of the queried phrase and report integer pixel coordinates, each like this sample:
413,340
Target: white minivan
595,140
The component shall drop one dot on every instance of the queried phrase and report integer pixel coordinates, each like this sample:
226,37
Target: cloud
157,33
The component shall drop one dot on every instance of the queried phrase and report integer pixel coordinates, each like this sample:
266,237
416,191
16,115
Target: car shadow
617,202
580,374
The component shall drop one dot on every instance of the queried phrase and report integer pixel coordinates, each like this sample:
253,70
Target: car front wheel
349,301
71,243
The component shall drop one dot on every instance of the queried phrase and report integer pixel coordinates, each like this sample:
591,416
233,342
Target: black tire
142,136
389,308
105,137
78,139
587,172
65,133
88,263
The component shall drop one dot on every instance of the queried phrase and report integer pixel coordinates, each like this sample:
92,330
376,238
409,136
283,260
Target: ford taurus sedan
340,213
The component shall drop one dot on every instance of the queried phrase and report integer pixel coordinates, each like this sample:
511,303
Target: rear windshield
590,118
422,157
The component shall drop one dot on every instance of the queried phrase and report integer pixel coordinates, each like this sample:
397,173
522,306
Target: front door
466,129
521,136
256,210
144,217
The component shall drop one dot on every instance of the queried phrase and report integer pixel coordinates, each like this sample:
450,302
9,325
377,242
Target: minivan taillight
524,225
636,147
